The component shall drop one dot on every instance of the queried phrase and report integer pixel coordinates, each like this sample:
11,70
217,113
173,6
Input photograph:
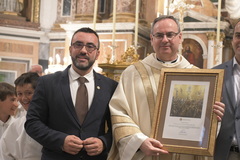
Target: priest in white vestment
132,105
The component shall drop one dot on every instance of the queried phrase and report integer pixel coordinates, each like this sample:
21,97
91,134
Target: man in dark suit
52,119
228,140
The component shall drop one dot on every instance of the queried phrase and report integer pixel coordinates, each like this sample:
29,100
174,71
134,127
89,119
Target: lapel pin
98,87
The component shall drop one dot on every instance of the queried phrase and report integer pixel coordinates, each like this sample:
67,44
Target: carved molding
222,36
16,48
211,35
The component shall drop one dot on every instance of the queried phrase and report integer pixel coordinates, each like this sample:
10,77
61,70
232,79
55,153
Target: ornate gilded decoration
222,36
114,70
25,14
130,56
36,11
211,35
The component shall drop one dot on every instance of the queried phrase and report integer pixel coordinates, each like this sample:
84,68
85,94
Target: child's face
24,94
9,105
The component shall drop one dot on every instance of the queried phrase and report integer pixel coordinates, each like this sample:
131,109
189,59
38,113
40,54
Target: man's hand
72,144
152,147
93,146
219,109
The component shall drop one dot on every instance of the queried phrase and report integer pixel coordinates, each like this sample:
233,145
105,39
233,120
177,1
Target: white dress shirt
73,82
236,76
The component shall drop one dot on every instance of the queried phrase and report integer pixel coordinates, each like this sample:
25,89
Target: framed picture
183,120
8,76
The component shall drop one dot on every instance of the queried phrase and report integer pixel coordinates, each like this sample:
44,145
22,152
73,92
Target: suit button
81,130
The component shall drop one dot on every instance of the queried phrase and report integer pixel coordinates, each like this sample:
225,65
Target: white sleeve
130,145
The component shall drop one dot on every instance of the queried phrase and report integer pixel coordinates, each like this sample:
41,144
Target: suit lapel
65,89
97,95
230,83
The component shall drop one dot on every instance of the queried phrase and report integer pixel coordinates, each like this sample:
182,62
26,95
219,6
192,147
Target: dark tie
81,105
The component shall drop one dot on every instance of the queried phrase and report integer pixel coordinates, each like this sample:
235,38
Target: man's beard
80,66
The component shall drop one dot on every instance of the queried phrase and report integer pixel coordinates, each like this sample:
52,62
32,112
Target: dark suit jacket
51,116
231,118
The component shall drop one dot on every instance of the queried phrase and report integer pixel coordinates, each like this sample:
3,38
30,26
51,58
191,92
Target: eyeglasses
237,35
169,35
89,47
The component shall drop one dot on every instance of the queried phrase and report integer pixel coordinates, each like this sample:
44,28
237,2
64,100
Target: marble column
85,11
220,49
227,50
48,8
143,12
67,44
125,11
46,23
210,57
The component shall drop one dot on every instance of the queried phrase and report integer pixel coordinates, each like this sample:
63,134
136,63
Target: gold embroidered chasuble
132,108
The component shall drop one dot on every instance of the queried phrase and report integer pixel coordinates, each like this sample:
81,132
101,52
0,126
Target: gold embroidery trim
121,119
124,131
147,86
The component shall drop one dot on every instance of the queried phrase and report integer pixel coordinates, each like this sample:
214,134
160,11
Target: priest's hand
72,144
219,109
93,146
152,147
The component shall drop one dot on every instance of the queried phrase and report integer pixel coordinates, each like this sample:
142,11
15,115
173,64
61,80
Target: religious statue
14,6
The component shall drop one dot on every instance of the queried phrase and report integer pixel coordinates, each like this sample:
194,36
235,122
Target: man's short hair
27,78
162,17
87,30
235,25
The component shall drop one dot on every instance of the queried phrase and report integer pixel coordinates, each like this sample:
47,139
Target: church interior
40,31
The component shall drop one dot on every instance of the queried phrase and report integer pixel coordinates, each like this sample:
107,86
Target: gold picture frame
183,120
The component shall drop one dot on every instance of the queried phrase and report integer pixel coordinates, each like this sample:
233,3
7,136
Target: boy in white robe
15,143
8,105
20,111
132,105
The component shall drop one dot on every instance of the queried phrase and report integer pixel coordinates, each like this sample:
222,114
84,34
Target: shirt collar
7,123
167,62
236,66
74,75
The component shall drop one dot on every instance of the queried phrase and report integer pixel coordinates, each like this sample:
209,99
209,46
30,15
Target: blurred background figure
36,68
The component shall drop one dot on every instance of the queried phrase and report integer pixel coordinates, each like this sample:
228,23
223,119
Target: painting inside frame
184,121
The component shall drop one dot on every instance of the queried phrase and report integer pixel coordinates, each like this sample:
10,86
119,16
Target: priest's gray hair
162,17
